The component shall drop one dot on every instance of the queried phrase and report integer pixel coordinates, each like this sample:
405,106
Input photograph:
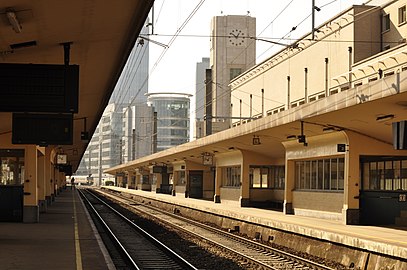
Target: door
196,184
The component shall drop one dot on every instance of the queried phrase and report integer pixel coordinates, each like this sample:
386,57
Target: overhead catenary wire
341,41
237,56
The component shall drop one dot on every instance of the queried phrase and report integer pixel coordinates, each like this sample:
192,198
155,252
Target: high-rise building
104,150
232,53
172,118
112,142
201,67
133,82
138,130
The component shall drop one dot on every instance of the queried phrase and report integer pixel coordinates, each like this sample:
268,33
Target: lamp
384,117
12,18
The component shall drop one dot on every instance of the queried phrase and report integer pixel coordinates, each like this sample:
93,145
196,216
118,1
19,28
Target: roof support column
245,184
175,178
289,187
139,178
119,180
30,210
48,175
42,204
218,183
158,181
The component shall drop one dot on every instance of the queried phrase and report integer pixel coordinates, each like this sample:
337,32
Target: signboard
61,159
39,88
42,129
159,169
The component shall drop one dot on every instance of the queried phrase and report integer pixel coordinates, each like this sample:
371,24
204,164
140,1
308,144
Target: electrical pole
313,20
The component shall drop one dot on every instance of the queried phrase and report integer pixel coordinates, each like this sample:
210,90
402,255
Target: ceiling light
12,18
385,117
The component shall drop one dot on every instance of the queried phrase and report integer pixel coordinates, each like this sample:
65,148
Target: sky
173,69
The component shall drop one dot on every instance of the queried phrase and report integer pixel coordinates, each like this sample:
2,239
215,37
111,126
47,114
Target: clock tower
232,53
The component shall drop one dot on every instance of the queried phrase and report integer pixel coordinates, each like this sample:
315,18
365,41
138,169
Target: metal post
313,20
262,102
208,102
251,103
326,77
154,138
133,144
288,92
240,111
350,67
306,85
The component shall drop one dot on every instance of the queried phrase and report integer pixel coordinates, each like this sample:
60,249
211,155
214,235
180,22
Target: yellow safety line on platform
77,244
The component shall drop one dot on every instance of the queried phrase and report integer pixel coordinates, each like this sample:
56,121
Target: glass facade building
172,118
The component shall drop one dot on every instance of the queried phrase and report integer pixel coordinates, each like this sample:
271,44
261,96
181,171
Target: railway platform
388,241
63,239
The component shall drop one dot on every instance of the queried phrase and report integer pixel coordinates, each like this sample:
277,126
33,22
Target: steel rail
170,253
253,249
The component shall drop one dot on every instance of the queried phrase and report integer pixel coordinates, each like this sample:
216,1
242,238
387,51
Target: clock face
207,160
236,37
61,159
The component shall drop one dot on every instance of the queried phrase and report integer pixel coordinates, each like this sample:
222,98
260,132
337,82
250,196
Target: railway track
259,255
139,250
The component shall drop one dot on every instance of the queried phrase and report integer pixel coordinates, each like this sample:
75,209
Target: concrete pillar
138,180
245,184
126,179
351,211
48,175
187,183
61,179
30,210
218,183
42,204
159,181
54,182
289,187
132,180
175,179
119,180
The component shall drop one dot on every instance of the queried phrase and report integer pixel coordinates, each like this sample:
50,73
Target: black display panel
39,88
42,129
66,169
159,169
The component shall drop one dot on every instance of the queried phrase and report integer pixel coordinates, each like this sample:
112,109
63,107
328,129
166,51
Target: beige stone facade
231,53
323,113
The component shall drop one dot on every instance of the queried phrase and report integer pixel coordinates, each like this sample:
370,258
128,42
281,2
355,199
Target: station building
323,134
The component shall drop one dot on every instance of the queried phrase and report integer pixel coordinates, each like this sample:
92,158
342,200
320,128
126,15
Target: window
231,176
234,72
145,179
386,22
402,15
267,177
385,175
320,174
12,167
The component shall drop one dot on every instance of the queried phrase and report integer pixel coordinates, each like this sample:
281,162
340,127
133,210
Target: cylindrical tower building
172,118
